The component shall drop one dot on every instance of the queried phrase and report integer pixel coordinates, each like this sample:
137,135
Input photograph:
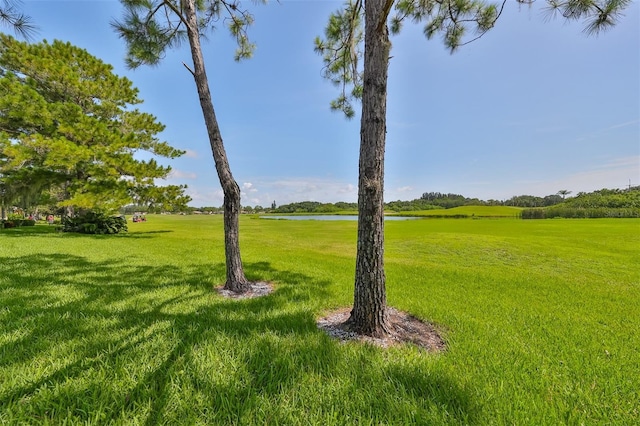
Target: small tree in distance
563,193
150,27
342,49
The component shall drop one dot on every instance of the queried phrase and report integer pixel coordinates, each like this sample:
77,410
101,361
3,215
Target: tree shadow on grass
100,342
21,231
144,234
55,231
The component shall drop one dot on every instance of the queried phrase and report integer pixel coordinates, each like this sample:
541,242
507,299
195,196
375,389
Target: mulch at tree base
405,329
258,289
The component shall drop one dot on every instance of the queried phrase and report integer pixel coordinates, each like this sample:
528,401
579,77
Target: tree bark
369,314
235,279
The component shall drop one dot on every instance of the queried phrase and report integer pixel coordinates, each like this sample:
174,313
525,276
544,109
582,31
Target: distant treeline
622,203
608,198
427,201
316,207
601,203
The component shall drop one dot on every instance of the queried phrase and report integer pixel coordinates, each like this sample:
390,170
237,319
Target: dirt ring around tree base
258,289
405,329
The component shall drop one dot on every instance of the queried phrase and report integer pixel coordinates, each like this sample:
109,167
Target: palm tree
564,193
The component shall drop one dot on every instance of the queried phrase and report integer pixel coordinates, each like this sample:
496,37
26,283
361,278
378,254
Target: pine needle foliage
67,121
150,28
457,22
598,16
11,17
341,51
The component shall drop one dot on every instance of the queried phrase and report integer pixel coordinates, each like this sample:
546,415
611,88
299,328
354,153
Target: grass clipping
405,329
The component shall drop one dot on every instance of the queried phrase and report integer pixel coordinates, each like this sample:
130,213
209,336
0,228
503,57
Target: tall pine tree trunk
236,281
369,306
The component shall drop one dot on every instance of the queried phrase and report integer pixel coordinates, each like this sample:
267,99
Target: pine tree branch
189,69
488,28
175,10
385,14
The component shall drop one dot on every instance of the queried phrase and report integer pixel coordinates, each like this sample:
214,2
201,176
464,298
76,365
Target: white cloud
625,124
615,173
189,153
282,191
248,187
622,163
348,189
404,193
611,174
291,190
606,131
179,174
205,197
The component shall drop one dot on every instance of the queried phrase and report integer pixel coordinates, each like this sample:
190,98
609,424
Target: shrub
8,224
94,223
533,214
580,213
15,219
19,220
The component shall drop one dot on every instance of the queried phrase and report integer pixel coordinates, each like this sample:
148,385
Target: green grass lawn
541,318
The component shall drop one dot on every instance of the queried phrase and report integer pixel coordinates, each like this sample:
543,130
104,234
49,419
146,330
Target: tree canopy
68,123
456,22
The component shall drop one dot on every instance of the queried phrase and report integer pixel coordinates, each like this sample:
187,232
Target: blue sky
533,107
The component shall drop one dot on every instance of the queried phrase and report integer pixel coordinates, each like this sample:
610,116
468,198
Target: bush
580,213
15,219
7,224
95,223
533,214
18,220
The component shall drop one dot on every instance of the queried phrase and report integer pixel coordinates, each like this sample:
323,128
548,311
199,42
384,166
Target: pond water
332,217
